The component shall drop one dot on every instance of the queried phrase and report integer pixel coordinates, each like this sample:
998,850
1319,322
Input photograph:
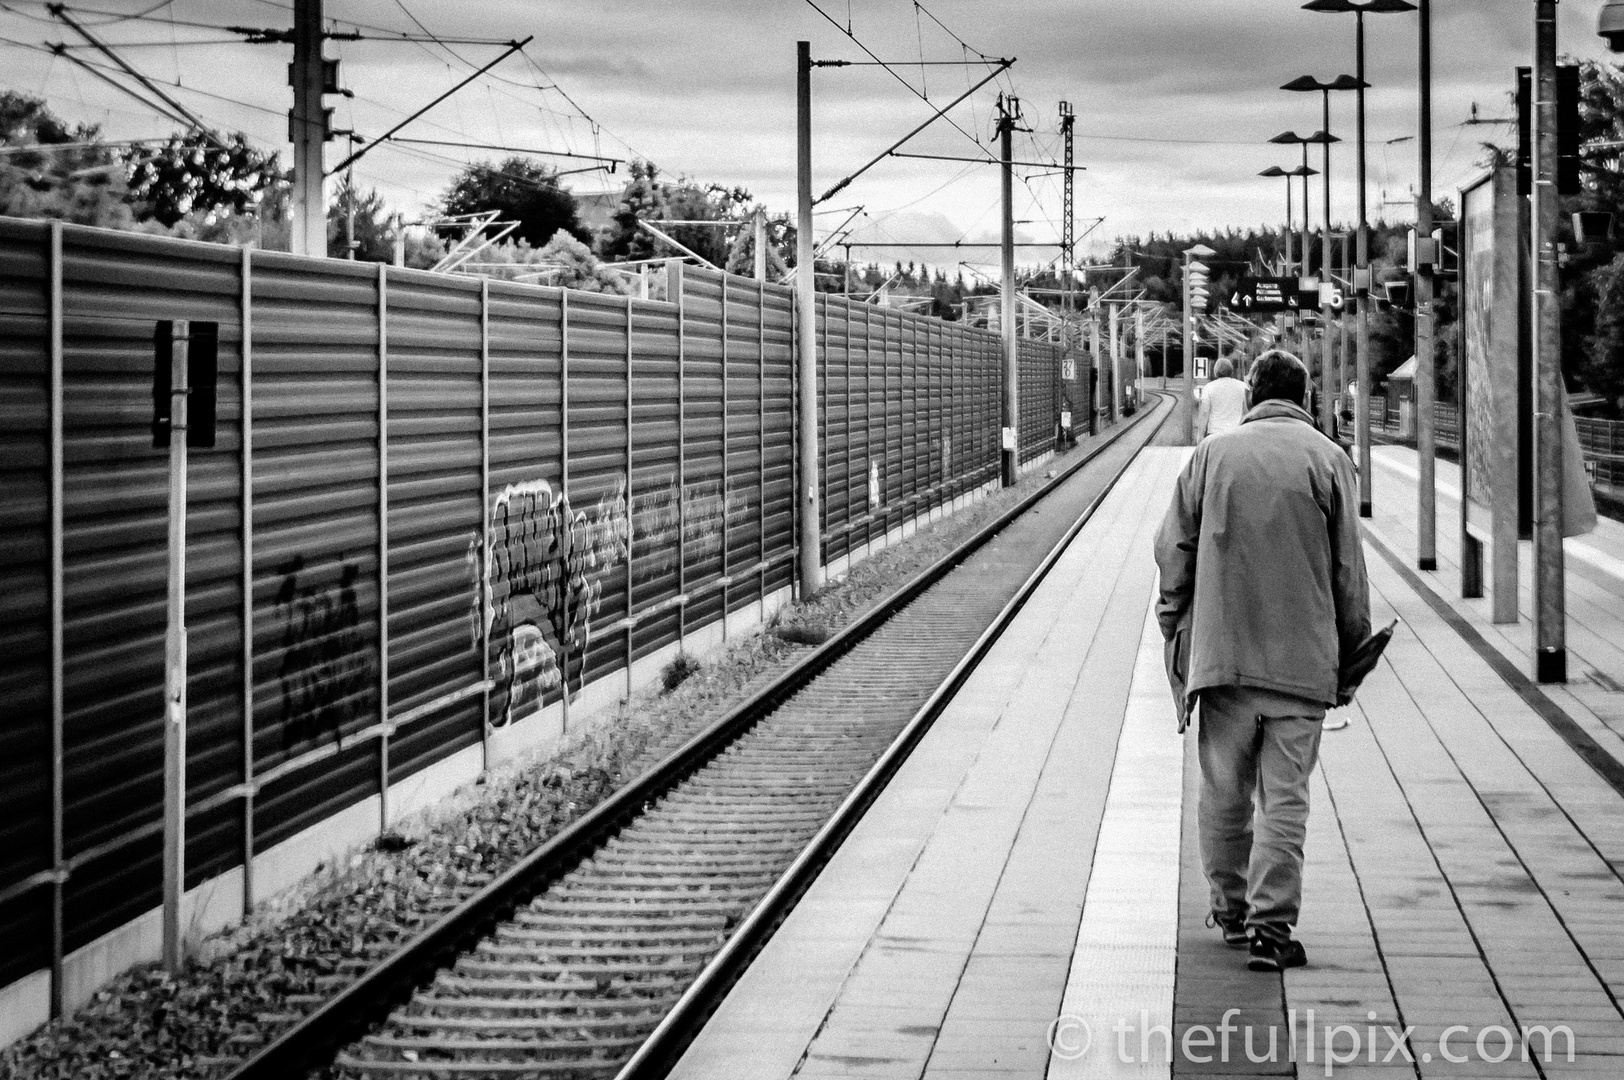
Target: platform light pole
1275,170
810,536
1426,373
1361,273
1550,601
1298,85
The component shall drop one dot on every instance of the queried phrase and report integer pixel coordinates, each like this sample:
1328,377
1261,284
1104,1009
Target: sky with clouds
1175,99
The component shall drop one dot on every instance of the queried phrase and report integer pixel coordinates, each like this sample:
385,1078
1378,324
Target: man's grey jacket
1262,571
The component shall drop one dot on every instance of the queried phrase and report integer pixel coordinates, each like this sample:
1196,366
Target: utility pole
1101,375
1116,361
349,207
1426,532
1550,603
1138,353
810,540
308,129
1008,111
758,224
1068,226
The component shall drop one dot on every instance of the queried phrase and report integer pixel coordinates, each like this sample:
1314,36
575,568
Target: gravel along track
572,985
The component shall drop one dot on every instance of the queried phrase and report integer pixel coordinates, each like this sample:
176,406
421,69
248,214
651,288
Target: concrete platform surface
1026,899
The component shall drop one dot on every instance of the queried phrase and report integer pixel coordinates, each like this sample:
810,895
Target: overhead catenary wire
893,71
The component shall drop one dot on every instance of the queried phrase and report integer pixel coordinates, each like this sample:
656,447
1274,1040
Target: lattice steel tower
1067,221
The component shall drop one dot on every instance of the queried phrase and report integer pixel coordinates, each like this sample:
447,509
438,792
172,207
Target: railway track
599,954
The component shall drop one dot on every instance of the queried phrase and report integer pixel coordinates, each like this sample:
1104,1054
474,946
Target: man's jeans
1256,745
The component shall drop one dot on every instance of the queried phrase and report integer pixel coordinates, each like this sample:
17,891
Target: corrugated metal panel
703,480
654,498
779,520
745,409
598,436
316,532
25,683
434,514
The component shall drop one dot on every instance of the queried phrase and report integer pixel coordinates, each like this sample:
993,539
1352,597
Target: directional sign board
1265,295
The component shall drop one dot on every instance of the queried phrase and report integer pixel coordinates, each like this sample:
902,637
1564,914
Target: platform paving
1033,868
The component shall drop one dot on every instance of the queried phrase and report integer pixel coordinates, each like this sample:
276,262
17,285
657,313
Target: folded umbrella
1360,661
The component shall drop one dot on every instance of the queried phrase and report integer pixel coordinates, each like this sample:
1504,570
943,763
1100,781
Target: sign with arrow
1265,295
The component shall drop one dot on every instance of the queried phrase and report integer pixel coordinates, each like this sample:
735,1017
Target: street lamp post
1305,280
1305,172
1301,84
1361,274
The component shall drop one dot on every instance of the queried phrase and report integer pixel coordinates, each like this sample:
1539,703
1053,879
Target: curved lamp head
1370,7
1287,137
1274,170
1320,137
1308,82
1610,24
1305,170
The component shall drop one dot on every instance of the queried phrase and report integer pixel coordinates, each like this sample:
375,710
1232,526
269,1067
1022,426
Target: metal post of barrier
726,552
564,491
57,659
246,510
631,625
483,564
383,546
175,667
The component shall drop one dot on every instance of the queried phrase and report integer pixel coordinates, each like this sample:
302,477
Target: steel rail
664,1046
314,1041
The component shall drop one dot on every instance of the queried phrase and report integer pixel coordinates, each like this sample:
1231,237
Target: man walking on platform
1263,595
1223,402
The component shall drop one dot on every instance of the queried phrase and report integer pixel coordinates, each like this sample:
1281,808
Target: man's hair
1278,375
1224,368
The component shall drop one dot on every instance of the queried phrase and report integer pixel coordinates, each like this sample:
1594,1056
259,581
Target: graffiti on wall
327,671
547,565
698,514
543,572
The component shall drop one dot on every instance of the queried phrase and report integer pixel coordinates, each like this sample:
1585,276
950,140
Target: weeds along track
631,923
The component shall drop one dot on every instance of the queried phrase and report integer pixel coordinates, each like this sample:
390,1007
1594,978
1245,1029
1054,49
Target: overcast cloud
1175,98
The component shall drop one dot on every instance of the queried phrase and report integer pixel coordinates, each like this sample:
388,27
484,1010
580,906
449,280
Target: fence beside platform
432,501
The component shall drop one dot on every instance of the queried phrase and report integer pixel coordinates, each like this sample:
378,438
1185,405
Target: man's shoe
1334,722
1270,954
1233,927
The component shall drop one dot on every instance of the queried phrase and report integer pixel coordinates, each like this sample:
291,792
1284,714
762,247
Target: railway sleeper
450,990
613,1021
570,955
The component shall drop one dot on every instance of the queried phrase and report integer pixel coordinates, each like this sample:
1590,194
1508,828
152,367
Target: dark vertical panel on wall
25,601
